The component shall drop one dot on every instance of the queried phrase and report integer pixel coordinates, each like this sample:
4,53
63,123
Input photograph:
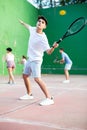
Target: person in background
9,58
37,45
68,64
23,60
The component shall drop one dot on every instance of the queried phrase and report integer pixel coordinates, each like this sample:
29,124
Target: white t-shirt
37,45
23,61
9,57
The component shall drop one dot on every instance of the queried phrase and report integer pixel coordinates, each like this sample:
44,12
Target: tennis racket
56,60
74,28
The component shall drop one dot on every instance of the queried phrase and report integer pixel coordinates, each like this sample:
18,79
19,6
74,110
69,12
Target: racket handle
59,41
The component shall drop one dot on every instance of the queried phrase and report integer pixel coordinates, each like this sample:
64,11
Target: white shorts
68,66
33,68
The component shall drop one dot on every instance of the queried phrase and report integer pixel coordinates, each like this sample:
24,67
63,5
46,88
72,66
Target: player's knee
24,76
37,80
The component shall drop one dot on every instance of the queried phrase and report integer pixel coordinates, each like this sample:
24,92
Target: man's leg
36,71
27,83
28,88
66,74
49,99
43,87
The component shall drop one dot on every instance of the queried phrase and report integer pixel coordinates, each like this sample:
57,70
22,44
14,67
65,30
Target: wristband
53,47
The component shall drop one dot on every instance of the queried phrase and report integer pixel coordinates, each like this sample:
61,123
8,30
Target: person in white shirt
37,45
23,61
9,58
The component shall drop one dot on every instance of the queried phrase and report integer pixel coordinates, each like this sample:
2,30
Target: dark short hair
24,57
42,17
9,49
61,49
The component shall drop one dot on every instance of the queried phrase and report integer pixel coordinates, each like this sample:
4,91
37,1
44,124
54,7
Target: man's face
60,51
41,24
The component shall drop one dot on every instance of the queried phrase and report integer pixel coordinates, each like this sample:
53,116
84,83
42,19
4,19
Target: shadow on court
68,113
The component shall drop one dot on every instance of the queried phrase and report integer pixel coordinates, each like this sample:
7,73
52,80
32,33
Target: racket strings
77,26
85,21
74,28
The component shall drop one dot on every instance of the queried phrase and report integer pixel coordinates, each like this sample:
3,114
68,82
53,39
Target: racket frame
67,32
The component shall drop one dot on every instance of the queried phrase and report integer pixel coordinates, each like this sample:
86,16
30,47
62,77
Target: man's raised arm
23,23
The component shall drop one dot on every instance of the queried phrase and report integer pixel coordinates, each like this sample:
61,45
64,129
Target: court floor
68,113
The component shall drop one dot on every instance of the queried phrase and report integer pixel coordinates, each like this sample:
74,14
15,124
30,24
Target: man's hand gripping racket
56,60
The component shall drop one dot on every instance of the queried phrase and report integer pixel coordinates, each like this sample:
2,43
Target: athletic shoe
12,83
47,101
66,81
9,82
27,96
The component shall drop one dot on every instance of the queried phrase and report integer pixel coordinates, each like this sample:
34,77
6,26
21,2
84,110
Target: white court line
26,105
81,89
37,123
64,90
18,108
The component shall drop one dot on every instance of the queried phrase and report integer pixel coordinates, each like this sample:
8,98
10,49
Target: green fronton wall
75,46
13,34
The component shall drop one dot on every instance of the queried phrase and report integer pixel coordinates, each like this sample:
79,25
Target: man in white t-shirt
37,45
